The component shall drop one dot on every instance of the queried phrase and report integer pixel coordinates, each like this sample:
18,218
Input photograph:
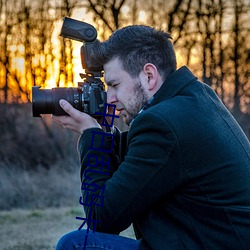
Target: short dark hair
135,46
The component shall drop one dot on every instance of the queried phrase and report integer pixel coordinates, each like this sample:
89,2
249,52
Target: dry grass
41,188
35,229
39,229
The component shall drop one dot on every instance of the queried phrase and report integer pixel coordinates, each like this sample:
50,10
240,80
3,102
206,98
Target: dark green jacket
185,178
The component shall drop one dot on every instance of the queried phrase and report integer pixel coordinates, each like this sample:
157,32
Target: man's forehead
112,69
113,63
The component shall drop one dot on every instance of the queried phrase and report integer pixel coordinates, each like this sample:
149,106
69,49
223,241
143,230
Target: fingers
76,120
62,120
68,108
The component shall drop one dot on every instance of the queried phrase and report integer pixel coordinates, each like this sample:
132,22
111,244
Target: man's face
127,93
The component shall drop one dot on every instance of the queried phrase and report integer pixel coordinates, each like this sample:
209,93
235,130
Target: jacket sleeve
149,172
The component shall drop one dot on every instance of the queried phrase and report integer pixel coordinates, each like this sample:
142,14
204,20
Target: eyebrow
110,83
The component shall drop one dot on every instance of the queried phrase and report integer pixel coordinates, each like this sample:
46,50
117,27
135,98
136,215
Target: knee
69,240
63,243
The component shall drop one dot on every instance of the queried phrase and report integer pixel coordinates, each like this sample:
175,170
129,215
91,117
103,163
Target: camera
90,96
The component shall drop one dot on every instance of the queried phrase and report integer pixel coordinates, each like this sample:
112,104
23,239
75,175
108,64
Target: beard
135,103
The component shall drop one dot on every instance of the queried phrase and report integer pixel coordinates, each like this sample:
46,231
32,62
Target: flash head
76,30
87,34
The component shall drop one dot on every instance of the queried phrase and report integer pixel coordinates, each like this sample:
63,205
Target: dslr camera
90,96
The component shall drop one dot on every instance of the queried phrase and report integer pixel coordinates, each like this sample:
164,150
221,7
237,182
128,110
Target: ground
22,229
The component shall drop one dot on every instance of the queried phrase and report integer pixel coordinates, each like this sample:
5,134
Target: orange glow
42,68
180,58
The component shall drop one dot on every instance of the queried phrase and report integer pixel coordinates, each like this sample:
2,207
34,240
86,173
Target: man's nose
111,97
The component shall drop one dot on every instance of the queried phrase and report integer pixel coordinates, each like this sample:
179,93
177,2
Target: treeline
211,37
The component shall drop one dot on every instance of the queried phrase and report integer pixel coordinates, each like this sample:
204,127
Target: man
183,175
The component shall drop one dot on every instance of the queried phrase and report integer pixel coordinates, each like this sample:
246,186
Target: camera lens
46,101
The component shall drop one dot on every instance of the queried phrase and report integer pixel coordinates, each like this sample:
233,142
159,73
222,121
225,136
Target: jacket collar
173,84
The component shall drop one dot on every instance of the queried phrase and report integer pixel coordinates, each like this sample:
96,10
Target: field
24,229
39,229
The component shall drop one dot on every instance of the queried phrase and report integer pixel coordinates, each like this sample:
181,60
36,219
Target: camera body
90,96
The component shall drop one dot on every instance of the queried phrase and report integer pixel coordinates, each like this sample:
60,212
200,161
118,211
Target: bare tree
217,31
239,53
66,8
108,12
11,77
4,56
210,35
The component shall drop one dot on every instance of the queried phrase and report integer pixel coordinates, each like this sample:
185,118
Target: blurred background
39,167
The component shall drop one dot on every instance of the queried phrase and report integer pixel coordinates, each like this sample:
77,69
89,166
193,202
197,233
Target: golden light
19,64
142,17
180,58
43,68
125,10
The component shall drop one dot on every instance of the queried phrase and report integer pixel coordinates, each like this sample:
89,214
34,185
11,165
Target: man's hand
76,121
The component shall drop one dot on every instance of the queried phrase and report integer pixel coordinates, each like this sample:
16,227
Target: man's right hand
76,121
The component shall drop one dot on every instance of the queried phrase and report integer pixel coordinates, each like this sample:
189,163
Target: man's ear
152,75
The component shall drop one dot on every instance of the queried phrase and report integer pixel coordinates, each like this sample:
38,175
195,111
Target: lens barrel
46,101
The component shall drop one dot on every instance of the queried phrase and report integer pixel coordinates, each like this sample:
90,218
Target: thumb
66,106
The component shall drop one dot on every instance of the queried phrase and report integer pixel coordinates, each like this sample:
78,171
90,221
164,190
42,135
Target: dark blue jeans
82,240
